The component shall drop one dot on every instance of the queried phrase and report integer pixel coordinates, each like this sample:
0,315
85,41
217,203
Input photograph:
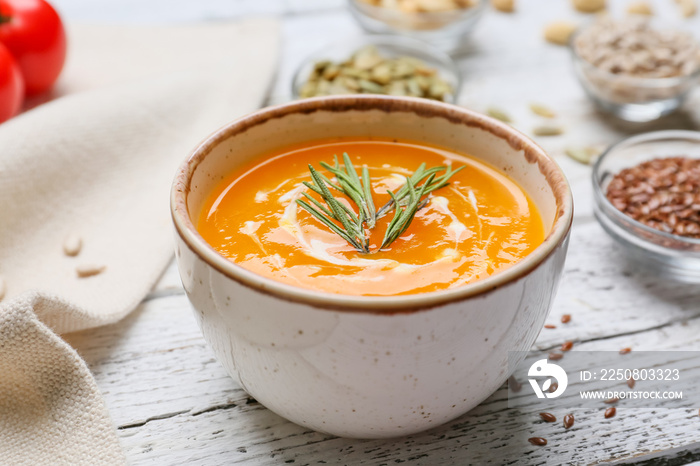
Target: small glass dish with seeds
389,65
442,23
636,68
647,197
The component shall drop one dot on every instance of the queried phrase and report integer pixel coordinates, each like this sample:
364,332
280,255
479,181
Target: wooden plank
172,400
174,404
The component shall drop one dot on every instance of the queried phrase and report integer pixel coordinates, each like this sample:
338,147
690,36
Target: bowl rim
186,230
363,40
619,217
640,81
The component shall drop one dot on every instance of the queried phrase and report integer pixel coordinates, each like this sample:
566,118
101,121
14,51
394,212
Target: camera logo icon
542,369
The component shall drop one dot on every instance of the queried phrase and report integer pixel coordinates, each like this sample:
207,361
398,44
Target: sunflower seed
88,270
688,8
559,32
639,8
505,6
589,6
72,245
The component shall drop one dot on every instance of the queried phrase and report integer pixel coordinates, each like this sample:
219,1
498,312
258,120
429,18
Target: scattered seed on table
566,318
568,421
550,326
582,155
504,6
539,441
514,385
639,8
567,345
72,245
631,382
88,270
589,6
688,8
553,387
499,114
555,356
610,412
610,401
548,417
3,288
547,130
542,110
558,33
625,350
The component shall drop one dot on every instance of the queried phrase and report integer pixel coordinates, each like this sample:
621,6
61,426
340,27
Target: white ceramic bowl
369,367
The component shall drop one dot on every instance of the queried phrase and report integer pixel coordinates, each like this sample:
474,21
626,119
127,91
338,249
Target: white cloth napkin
98,163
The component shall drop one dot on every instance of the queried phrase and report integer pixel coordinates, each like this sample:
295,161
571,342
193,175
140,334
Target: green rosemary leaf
419,175
332,202
371,210
319,206
333,227
403,218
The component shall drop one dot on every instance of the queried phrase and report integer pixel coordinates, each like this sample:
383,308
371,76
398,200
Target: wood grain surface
173,402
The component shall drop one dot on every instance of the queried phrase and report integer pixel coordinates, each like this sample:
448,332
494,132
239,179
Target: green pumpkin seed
541,110
547,130
499,114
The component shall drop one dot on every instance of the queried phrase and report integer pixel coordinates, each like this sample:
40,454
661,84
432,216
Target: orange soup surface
482,222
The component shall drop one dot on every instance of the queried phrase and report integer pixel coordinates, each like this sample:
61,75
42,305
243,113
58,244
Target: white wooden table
173,403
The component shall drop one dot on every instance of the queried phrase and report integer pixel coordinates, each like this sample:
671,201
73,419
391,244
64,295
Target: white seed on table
72,245
688,8
3,288
505,6
639,8
88,270
548,130
542,110
559,32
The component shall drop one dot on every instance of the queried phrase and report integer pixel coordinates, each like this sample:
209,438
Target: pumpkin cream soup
324,216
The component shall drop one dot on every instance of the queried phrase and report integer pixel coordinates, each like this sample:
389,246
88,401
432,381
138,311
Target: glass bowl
632,98
388,46
445,30
669,255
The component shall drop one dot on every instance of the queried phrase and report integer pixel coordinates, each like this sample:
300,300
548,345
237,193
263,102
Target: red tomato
11,85
33,32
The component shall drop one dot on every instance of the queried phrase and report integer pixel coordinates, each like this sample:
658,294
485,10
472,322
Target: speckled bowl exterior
369,367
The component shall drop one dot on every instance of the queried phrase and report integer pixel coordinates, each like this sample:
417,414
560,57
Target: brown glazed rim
359,103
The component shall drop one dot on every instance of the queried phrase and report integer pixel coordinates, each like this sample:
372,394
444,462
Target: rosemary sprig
419,175
403,218
354,227
353,230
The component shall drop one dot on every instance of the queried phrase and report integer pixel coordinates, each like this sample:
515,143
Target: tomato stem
5,18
